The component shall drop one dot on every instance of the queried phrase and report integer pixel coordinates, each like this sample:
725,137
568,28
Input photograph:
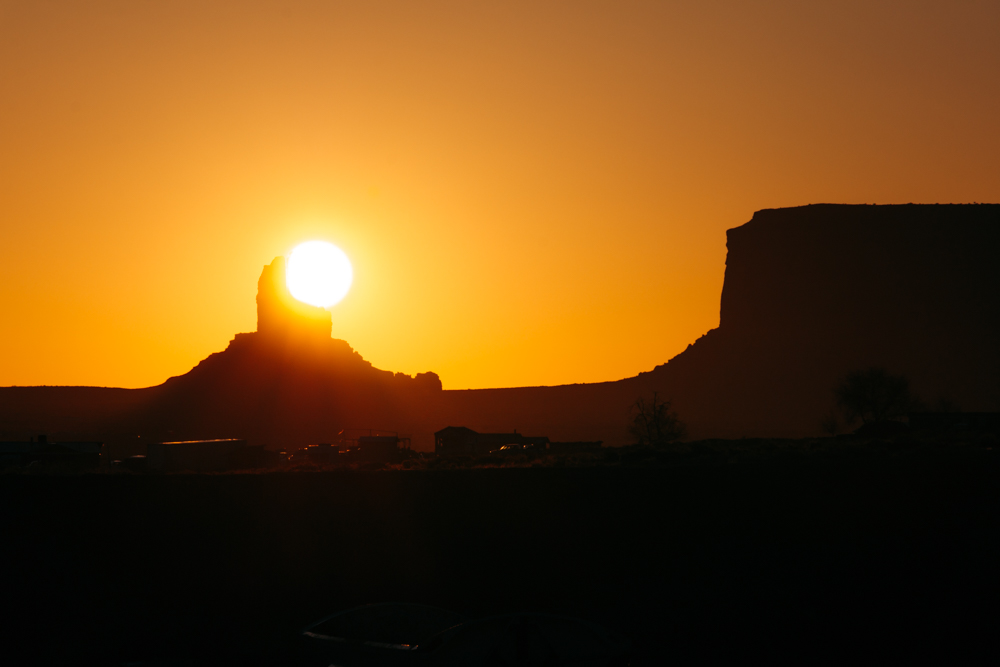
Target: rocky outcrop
287,383
810,294
815,292
279,314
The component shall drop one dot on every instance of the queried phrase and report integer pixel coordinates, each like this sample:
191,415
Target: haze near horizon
529,194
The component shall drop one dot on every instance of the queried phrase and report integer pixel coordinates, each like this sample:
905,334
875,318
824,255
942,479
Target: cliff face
810,294
872,272
815,292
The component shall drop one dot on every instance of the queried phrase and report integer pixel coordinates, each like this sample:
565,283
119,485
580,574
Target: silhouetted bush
654,424
874,395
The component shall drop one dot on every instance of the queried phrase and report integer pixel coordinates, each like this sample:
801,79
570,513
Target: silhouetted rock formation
815,292
286,384
289,383
810,294
279,314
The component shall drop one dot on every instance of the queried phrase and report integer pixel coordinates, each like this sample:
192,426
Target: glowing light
318,273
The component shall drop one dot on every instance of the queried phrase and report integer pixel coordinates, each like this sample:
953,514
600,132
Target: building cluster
226,454
369,448
463,441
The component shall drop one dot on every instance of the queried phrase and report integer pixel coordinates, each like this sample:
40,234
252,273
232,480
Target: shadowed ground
882,554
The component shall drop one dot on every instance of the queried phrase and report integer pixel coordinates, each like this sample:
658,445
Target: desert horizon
443,334
811,295
513,187
512,386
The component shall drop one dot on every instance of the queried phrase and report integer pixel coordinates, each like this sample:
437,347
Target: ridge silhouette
286,384
810,294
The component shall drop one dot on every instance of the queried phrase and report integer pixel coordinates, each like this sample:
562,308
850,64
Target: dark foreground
851,556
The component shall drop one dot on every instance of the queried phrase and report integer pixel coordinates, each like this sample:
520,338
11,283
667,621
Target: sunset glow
319,273
539,196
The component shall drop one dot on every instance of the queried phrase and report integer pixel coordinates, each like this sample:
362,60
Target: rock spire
279,314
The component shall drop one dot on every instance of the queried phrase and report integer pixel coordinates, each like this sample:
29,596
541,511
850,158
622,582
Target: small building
463,441
197,455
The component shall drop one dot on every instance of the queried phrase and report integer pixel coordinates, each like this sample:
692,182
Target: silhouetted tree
653,423
874,395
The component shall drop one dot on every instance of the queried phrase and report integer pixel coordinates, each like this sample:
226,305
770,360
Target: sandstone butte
810,294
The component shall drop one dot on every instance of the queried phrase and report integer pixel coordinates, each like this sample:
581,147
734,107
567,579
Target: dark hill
286,384
811,293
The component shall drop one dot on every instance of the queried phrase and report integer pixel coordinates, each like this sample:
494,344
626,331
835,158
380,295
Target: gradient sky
531,193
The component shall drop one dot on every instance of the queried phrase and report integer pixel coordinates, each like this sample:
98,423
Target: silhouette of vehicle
135,463
412,634
525,639
375,634
463,441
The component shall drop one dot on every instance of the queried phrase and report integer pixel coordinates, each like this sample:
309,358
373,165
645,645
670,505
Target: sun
318,273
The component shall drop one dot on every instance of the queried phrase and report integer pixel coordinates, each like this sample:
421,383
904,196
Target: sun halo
318,273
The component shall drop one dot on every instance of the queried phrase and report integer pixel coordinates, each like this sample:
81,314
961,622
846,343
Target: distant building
462,441
200,455
363,449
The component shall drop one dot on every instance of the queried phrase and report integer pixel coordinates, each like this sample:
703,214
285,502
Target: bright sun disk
318,273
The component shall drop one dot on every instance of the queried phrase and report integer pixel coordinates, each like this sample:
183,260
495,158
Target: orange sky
531,193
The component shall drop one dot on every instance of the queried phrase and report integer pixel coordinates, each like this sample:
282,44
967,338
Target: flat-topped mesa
279,314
